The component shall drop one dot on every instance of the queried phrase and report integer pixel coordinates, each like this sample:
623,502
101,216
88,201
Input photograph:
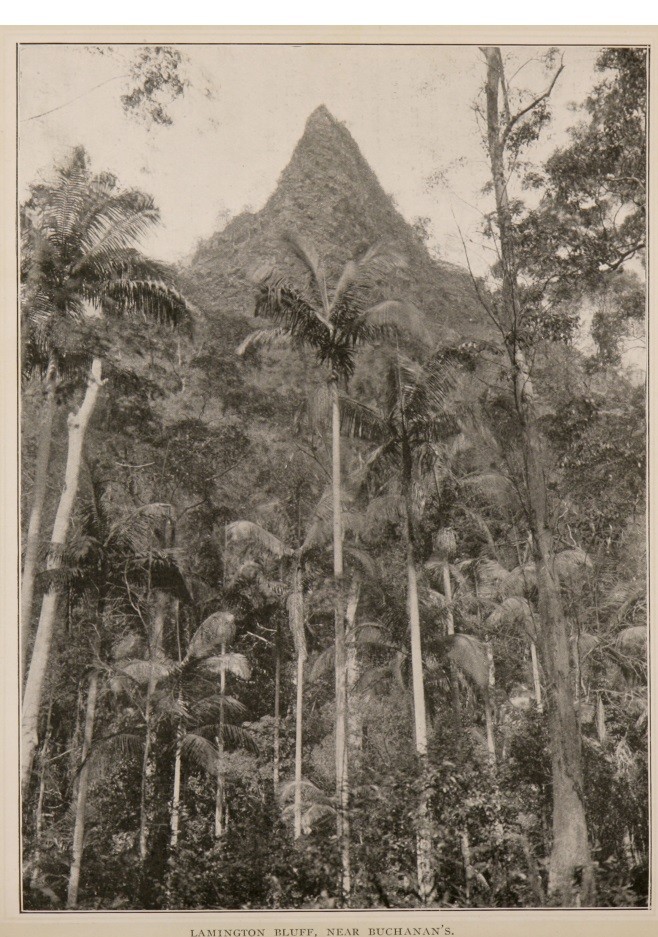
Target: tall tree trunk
276,757
423,837
175,797
81,797
342,776
155,651
298,746
570,868
219,789
297,627
174,820
354,713
39,661
450,630
535,676
489,704
33,537
35,878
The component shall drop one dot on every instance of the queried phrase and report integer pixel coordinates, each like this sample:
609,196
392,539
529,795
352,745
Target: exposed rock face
329,194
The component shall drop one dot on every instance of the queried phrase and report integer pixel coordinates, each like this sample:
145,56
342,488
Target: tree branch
533,104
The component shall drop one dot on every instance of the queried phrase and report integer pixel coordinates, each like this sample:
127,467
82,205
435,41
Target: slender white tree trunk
450,630
354,713
81,798
219,790
155,651
418,684
39,661
175,798
296,611
535,676
423,837
489,705
33,537
342,774
298,747
276,755
35,878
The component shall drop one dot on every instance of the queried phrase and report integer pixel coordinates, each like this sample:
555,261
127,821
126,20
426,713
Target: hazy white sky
410,109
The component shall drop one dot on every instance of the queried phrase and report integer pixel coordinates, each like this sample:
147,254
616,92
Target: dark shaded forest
334,568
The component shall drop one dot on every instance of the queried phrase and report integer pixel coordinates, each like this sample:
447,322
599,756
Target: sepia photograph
333,477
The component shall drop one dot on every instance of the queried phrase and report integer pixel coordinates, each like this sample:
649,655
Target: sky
410,109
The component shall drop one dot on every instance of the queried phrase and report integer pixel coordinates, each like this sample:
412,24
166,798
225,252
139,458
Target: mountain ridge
329,194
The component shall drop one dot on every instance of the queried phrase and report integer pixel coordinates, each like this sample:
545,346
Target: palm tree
246,531
333,325
80,267
218,632
413,422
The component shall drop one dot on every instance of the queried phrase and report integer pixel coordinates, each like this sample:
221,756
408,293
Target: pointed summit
329,194
320,115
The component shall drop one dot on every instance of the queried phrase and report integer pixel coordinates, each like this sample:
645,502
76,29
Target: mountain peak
331,197
321,115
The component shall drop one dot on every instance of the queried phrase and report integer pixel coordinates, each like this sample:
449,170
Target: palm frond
210,708
305,252
322,664
310,792
234,663
107,752
286,307
572,564
361,274
154,299
633,638
217,629
126,219
360,421
469,654
200,751
143,671
388,319
248,532
239,737
264,338
514,610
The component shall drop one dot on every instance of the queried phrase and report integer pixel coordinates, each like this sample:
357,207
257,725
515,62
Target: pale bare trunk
40,658
298,746
418,685
466,857
81,798
535,676
297,627
342,774
423,836
354,714
450,630
33,537
174,822
35,878
571,878
175,798
489,705
276,758
219,790
155,651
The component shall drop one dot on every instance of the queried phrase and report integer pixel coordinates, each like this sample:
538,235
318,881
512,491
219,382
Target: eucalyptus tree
514,311
332,324
415,420
81,270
